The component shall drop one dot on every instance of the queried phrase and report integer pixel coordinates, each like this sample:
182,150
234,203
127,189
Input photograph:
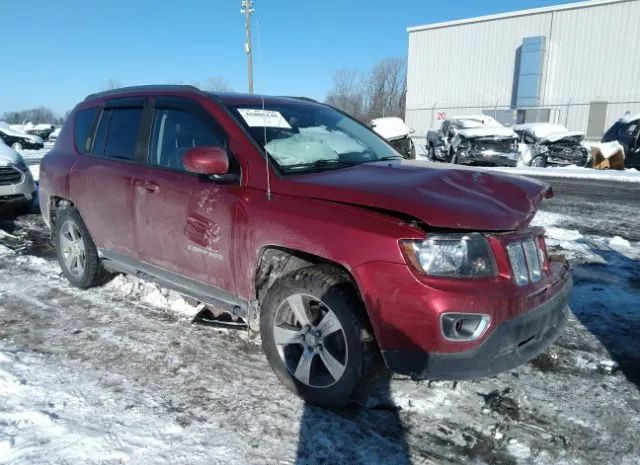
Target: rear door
184,221
101,180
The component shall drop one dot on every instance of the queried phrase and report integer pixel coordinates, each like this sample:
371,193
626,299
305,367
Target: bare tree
387,88
382,92
41,115
347,93
217,84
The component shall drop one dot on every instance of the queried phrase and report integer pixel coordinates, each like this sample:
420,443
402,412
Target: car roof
227,98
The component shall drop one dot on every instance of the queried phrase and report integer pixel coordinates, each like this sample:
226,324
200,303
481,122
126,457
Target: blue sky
57,52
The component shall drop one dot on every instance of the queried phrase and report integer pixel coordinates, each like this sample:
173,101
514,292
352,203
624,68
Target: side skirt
205,293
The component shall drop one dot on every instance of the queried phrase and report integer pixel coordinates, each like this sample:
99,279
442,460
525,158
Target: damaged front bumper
488,157
512,343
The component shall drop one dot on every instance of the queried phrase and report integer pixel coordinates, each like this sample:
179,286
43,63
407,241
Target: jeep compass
300,221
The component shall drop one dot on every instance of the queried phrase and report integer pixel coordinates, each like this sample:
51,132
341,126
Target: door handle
151,186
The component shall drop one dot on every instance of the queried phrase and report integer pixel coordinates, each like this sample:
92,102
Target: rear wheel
317,339
76,251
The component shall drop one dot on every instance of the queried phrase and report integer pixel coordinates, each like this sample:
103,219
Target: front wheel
539,162
16,146
317,339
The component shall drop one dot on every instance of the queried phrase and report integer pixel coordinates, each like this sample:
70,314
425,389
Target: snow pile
630,118
150,294
390,128
607,149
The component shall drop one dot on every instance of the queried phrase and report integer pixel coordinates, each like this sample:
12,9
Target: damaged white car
473,140
397,133
544,144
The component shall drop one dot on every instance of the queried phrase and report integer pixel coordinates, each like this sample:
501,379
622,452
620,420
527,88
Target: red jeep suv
299,220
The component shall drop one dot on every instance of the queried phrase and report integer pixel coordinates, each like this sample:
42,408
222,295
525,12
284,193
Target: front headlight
451,255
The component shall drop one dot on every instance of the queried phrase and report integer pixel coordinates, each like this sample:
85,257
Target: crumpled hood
578,136
487,132
390,128
440,196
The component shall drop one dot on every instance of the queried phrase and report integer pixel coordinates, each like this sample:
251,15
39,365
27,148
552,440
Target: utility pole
247,10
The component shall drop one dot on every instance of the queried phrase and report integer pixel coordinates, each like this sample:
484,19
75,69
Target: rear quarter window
83,124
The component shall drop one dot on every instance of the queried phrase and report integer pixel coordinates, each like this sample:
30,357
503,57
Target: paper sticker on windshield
266,118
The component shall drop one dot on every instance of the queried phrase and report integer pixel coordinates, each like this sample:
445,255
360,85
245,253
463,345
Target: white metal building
576,64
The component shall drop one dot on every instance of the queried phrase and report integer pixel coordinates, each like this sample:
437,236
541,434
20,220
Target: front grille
527,259
502,146
9,175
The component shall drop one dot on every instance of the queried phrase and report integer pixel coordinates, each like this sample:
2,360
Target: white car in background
545,144
397,133
17,187
54,135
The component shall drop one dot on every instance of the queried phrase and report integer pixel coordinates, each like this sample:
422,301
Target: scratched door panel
186,225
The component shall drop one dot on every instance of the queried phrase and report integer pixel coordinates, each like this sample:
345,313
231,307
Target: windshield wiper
321,164
390,157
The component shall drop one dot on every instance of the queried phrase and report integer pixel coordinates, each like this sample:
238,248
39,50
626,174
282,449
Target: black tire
431,153
540,161
411,153
93,273
363,363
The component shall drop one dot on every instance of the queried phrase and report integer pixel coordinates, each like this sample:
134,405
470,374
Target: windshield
302,137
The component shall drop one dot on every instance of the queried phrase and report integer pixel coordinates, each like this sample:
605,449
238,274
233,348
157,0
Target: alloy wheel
73,248
310,340
17,146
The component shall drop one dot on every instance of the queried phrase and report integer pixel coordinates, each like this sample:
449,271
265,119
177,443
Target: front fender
344,234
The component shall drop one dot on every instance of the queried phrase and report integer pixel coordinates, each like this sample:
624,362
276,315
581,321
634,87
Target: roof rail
306,99
153,87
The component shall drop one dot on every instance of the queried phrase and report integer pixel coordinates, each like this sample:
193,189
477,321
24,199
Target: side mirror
206,160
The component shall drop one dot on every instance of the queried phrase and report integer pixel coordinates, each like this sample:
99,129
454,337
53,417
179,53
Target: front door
184,221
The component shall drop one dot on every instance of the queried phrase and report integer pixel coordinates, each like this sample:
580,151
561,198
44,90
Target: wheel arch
56,203
276,261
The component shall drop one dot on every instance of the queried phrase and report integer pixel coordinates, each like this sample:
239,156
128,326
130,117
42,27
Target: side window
122,133
83,123
175,132
628,130
101,133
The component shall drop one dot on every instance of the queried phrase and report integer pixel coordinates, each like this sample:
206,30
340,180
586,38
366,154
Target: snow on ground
119,374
